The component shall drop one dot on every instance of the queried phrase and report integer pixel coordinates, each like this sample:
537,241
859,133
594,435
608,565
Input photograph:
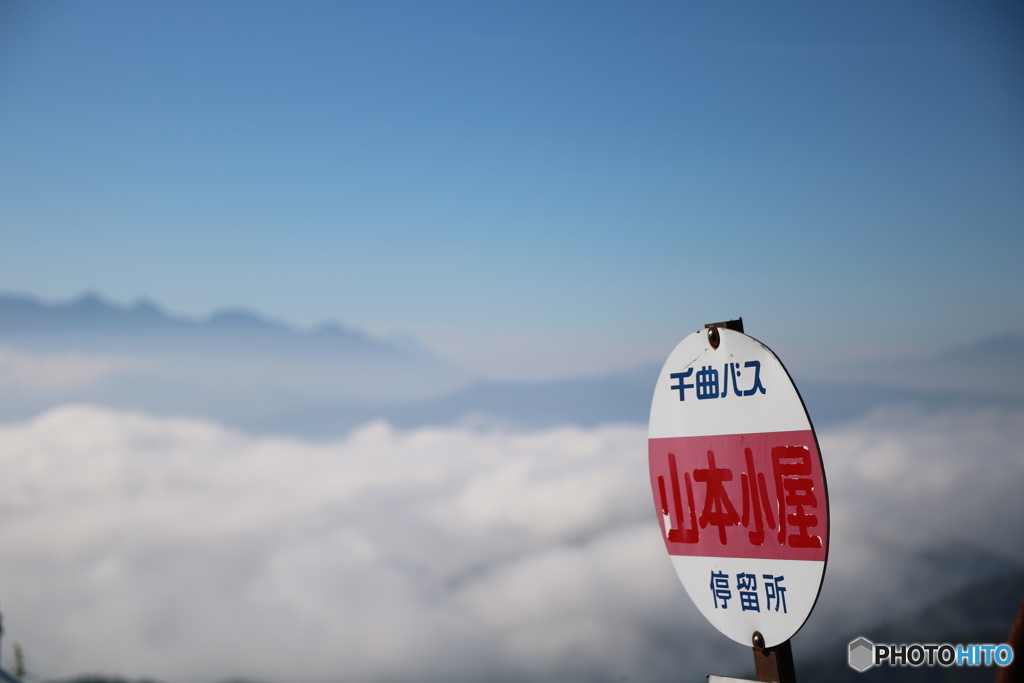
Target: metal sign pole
774,664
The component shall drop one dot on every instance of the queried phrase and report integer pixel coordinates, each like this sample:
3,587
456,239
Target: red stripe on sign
741,495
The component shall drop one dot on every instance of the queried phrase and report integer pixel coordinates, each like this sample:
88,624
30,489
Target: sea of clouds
185,551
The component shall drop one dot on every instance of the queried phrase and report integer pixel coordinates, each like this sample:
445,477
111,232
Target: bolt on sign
739,486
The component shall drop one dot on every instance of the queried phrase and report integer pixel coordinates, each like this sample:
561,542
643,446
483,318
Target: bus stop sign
739,487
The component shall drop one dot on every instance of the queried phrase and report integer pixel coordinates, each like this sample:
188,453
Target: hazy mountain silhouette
234,365
257,374
90,323
626,396
992,366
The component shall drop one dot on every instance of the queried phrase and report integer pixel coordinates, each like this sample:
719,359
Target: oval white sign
739,485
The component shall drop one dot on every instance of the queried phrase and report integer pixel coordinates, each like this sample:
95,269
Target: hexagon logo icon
862,654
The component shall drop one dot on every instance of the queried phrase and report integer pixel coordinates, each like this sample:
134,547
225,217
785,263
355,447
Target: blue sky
534,189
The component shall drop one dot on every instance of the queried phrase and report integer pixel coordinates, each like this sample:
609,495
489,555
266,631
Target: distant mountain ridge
990,366
257,374
234,365
24,320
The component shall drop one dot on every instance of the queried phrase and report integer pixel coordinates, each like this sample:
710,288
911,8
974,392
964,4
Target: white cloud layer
180,550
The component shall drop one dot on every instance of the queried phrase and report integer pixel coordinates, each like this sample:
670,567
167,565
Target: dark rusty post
774,664
1015,672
